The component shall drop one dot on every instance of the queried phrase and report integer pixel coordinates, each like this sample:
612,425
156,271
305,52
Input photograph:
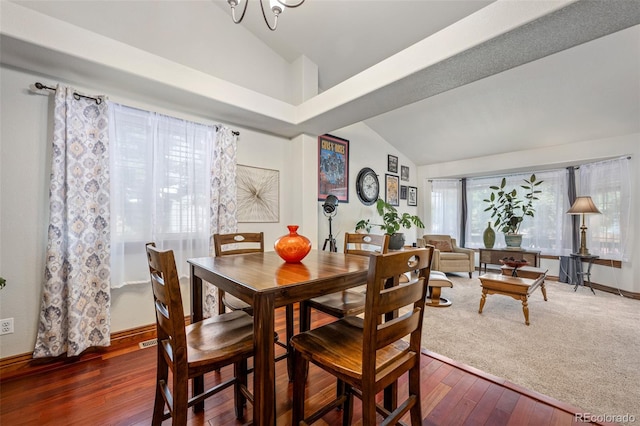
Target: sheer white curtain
445,207
609,185
76,297
477,218
164,170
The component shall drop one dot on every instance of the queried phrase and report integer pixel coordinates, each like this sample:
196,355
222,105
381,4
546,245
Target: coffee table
516,287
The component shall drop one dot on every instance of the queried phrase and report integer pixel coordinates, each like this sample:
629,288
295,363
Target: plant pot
513,241
396,241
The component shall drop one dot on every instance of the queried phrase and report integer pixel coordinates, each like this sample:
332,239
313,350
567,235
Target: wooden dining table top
289,282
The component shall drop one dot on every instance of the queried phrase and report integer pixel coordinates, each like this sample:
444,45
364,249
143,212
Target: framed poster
403,192
333,168
392,190
404,172
392,163
412,196
258,194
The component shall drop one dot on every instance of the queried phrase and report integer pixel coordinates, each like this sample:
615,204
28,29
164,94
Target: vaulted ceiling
439,80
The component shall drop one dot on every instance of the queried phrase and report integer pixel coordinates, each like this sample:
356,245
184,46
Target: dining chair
347,302
244,243
369,354
193,350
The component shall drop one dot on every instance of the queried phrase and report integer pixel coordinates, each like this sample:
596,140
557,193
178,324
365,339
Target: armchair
448,257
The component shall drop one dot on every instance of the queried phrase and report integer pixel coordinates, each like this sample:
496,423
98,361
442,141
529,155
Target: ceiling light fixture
276,6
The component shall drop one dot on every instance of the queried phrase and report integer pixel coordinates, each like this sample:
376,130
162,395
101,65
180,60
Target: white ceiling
569,76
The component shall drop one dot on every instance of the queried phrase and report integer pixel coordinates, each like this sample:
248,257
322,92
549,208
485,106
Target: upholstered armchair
448,257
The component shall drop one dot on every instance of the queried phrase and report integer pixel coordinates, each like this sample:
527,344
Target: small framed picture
392,163
392,188
412,196
404,172
403,192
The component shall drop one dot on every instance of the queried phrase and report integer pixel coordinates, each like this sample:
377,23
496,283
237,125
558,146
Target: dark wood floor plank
486,405
521,412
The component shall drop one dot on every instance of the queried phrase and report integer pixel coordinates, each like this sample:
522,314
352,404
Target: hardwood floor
117,388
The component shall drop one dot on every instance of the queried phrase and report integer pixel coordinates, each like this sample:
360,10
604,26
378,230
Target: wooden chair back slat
365,244
238,243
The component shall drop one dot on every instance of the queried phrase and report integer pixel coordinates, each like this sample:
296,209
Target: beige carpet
580,349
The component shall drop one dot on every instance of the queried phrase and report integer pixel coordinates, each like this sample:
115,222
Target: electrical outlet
6,326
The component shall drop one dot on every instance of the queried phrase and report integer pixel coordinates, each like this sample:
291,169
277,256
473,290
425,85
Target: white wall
628,277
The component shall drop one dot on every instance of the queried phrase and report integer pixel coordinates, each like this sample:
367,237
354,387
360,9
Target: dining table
267,282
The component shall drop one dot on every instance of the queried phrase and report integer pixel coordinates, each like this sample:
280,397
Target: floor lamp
329,208
583,205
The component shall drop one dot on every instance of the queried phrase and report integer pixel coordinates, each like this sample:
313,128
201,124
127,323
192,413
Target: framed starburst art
258,194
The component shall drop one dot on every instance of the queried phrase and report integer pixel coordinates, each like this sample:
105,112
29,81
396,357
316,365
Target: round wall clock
367,186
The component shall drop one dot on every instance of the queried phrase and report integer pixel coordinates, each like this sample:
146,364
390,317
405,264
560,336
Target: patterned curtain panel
76,298
224,209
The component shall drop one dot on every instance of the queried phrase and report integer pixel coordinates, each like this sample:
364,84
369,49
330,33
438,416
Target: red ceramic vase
292,248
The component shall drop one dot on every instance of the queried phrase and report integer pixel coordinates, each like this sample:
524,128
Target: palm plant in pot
392,221
508,210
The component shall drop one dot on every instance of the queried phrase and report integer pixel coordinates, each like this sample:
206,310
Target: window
445,207
160,174
543,231
608,183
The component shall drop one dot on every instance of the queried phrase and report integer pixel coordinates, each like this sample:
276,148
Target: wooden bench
517,287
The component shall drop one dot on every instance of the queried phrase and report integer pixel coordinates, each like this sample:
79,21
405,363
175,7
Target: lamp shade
583,205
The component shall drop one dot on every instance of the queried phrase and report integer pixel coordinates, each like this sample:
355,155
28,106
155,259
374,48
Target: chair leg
180,398
305,316
289,335
347,412
299,379
240,372
221,307
162,375
414,389
340,390
368,408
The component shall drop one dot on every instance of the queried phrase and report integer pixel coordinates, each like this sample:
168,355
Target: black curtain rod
76,95
98,101
234,132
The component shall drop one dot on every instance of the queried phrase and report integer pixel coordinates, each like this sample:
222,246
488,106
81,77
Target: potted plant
392,221
508,210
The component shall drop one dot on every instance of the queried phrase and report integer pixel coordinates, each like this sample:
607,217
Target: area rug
580,348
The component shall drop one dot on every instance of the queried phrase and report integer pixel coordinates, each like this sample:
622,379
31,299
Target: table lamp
583,205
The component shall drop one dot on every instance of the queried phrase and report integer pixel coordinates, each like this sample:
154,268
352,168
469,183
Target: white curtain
173,183
445,207
609,185
76,297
